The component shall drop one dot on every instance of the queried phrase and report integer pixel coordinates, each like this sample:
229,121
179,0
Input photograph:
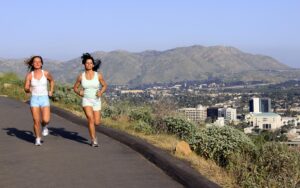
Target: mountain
18,66
184,63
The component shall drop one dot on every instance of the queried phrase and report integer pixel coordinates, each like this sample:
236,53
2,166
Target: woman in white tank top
91,82
36,83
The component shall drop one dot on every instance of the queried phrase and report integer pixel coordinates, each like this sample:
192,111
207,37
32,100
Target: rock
6,85
183,147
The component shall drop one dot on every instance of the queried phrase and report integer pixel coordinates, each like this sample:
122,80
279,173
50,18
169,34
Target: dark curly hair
29,62
96,62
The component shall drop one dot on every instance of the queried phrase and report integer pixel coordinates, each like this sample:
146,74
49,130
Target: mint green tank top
90,87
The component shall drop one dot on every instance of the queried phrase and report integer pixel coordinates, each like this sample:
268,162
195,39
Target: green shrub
141,114
218,143
180,127
143,127
272,165
106,112
111,112
279,165
159,125
242,165
268,136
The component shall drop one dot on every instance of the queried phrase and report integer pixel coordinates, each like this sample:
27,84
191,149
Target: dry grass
207,168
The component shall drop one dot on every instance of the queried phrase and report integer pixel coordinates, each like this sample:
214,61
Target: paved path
65,159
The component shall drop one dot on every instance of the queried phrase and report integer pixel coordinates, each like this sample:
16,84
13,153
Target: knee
45,122
36,122
97,123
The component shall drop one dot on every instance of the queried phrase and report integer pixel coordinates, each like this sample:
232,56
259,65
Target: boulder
183,147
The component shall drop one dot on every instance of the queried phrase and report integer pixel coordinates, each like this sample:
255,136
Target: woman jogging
91,82
36,83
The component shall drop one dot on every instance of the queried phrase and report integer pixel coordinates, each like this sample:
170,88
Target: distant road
65,159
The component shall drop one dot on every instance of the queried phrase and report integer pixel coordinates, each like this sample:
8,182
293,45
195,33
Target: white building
198,114
230,114
260,105
221,112
132,91
265,121
254,104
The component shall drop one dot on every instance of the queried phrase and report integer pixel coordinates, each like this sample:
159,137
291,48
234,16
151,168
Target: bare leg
97,117
36,121
45,115
88,110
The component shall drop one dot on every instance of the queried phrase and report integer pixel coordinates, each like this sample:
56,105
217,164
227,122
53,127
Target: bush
111,112
141,114
245,170
159,125
218,143
180,127
143,127
14,86
279,165
268,136
106,112
273,165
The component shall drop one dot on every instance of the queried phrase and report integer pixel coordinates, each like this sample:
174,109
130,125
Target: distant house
229,114
132,91
264,121
198,114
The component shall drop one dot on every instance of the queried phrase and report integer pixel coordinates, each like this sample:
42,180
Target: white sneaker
38,142
45,131
94,143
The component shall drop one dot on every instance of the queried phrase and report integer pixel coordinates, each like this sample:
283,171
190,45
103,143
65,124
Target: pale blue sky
64,29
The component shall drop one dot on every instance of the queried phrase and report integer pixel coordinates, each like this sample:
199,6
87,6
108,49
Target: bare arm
103,83
51,80
76,85
27,83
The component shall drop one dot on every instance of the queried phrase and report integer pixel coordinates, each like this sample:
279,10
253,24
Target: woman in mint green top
91,82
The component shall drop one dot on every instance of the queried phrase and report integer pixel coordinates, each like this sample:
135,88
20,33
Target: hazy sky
64,29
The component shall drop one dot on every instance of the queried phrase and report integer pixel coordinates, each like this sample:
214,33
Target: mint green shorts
94,103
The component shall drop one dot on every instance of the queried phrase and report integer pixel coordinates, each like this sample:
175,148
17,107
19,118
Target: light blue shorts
95,103
39,101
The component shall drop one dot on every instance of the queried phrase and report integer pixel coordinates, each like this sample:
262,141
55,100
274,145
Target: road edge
175,168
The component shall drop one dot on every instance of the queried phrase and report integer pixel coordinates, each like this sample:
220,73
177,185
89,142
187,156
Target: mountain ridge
182,63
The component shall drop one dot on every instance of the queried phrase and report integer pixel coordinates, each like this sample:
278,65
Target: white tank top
90,86
39,87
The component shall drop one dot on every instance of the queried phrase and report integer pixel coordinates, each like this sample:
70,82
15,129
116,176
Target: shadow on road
67,134
21,134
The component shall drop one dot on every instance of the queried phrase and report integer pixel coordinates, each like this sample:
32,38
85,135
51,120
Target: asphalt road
66,159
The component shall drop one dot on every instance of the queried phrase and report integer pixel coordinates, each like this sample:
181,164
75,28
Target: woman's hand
28,90
50,93
80,93
99,93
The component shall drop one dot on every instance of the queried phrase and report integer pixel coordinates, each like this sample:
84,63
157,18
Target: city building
265,105
132,91
230,114
254,105
198,114
260,105
264,121
212,112
221,112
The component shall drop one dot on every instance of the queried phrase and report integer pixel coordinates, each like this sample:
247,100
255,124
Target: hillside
184,63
